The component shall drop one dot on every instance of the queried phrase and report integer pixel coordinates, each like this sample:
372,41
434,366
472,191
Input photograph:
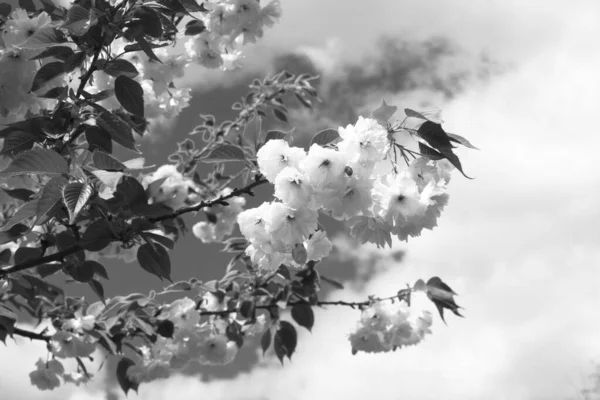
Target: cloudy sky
519,243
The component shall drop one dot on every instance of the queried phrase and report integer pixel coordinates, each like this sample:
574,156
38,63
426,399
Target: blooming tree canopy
76,82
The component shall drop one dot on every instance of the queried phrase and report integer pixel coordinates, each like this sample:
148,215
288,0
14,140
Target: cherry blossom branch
31,335
352,304
258,180
59,256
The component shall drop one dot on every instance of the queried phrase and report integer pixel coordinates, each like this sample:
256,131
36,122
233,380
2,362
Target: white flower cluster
230,24
386,326
350,183
68,343
222,219
18,71
194,341
168,186
162,100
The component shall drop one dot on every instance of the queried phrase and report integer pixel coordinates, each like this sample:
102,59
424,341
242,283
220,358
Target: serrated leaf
325,137
98,138
442,296
76,196
118,129
5,9
265,341
150,21
43,38
434,115
37,161
107,162
62,53
155,259
18,142
225,152
97,288
59,92
47,73
97,236
79,20
165,241
24,254
19,194
303,315
83,272
461,140
435,136
50,196
285,340
193,6
123,377
130,94
26,211
120,67
271,135
131,193
194,27
280,115
384,112
430,153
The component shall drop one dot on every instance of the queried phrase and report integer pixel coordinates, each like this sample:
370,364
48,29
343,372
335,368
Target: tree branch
205,204
31,335
59,256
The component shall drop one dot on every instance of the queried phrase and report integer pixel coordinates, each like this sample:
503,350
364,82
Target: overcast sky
519,243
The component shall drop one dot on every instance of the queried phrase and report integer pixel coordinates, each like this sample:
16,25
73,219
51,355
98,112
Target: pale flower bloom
324,167
366,142
293,188
69,345
20,27
277,154
318,246
46,376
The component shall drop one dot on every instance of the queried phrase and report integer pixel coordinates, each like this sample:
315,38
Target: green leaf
165,241
155,260
332,282
453,158
285,341
75,61
192,6
120,67
7,320
265,341
225,152
97,236
123,378
98,138
18,142
442,296
51,195
79,20
107,162
461,140
97,288
145,47
19,194
5,10
24,254
150,21
384,112
14,233
44,38
47,73
76,196
325,137
27,5
433,115
37,161
303,315
103,95
435,136
62,53
59,92
118,129
131,193
271,135
130,94
194,27
99,269
280,115
83,272
430,153
46,270
26,211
